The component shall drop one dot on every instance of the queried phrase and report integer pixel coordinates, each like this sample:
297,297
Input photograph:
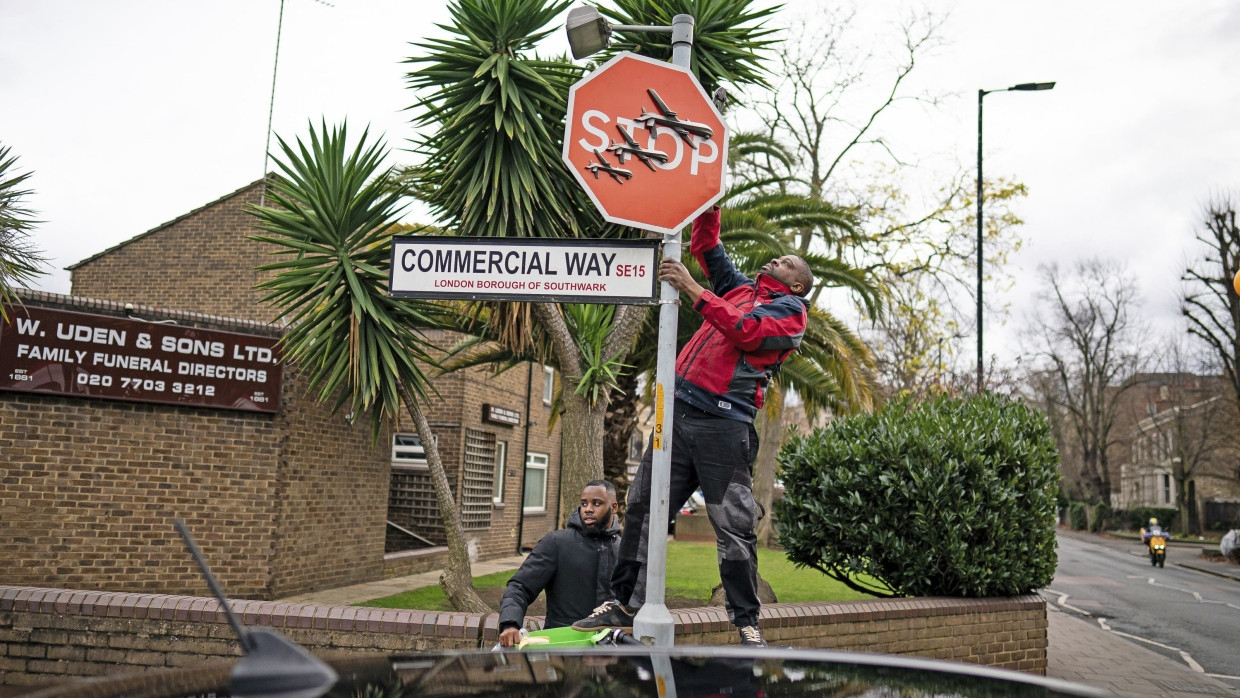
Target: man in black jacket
573,564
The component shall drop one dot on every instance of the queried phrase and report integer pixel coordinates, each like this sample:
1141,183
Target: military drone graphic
630,148
667,118
617,173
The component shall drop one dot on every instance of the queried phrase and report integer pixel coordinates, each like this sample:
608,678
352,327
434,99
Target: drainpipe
525,452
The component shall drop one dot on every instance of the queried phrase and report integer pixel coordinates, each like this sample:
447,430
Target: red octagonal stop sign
646,142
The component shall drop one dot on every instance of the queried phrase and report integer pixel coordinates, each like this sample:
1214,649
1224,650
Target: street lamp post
589,32
1022,87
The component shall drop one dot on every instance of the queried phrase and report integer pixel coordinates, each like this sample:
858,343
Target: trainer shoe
751,636
611,614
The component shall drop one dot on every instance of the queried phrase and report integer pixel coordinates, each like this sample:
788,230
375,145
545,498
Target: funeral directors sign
69,353
525,269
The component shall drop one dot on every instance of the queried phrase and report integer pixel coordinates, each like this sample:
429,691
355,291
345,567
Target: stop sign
646,142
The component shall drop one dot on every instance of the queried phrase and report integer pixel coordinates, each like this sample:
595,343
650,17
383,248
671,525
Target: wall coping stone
455,624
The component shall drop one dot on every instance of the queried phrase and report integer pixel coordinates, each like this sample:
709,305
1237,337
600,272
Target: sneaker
612,614
751,636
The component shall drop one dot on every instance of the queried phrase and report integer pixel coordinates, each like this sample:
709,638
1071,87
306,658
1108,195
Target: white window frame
535,461
548,384
501,463
637,446
407,451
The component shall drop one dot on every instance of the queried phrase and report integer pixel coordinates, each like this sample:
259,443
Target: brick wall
202,261
280,504
53,634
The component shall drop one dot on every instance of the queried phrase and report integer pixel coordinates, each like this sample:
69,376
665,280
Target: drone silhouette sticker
666,118
617,173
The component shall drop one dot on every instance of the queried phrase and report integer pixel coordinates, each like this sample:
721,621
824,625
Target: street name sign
646,143
525,269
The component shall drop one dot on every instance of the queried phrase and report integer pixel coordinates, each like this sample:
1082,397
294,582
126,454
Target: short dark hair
805,277
605,484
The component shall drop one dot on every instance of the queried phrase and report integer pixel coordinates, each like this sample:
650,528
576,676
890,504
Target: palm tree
331,217
492,115
19,260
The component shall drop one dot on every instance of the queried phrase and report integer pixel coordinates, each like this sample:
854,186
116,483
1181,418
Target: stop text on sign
572,271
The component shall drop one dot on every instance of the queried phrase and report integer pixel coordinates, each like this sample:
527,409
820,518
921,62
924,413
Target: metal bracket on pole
653,624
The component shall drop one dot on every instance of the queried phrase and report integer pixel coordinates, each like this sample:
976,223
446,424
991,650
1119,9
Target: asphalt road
1188,616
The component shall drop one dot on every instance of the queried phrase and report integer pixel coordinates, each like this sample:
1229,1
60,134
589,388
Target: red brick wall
53,634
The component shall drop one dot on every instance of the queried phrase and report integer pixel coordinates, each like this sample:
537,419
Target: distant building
1184,436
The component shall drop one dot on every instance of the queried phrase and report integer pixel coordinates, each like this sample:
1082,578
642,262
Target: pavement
1078,650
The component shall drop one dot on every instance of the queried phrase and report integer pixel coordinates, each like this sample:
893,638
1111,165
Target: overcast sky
131,113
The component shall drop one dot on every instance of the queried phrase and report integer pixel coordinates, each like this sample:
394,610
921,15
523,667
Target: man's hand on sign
675,273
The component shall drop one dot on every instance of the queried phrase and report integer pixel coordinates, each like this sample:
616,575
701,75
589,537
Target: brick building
1180,434
282,502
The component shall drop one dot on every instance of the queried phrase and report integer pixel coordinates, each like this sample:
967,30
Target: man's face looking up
790,270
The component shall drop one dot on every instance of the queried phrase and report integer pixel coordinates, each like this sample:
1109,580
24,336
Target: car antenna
273,665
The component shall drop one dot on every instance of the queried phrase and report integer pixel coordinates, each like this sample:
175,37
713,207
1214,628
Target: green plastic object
558,637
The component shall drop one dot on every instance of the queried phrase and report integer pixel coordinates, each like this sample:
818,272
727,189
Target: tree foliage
1209,302
330,224
492,114
20,260
1086,340
947,497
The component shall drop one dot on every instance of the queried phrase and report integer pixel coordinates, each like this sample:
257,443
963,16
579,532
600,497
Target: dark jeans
716,454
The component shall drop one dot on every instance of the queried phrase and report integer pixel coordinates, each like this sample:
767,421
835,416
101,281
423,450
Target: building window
407,451
637,445
501,462
548,384
1166,489
535,482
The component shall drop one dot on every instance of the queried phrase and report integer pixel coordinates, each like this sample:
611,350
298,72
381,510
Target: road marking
1200,599
1063,601
1102,623
1224,676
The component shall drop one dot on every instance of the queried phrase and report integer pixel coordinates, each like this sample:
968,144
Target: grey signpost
653,624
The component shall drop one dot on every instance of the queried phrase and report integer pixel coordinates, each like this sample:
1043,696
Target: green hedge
1078,519
1101,517
943,498
1139,517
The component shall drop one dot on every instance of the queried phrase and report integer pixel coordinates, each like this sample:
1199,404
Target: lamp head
588,32
1031,86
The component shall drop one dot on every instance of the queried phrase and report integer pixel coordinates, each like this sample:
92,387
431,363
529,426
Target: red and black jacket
751,326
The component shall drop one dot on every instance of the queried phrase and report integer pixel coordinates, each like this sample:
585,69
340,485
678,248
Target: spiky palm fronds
330,219
20,261
493,116
729,37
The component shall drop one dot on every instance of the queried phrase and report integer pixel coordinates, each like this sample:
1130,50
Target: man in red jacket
750,326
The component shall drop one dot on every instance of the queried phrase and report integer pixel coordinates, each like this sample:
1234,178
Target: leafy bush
1101,517
944,498
1078,519
1139,517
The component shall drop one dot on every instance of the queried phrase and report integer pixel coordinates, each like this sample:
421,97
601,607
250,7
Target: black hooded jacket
574,566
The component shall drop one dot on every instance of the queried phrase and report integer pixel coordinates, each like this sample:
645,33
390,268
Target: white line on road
1063,601
1102,623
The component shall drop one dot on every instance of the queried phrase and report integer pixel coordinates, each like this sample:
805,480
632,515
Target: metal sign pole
653,624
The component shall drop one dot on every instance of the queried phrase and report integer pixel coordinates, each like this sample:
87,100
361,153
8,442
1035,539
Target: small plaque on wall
500,415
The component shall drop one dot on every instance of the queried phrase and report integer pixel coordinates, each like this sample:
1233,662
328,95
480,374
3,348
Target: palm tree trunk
770,430
457,580
581,449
